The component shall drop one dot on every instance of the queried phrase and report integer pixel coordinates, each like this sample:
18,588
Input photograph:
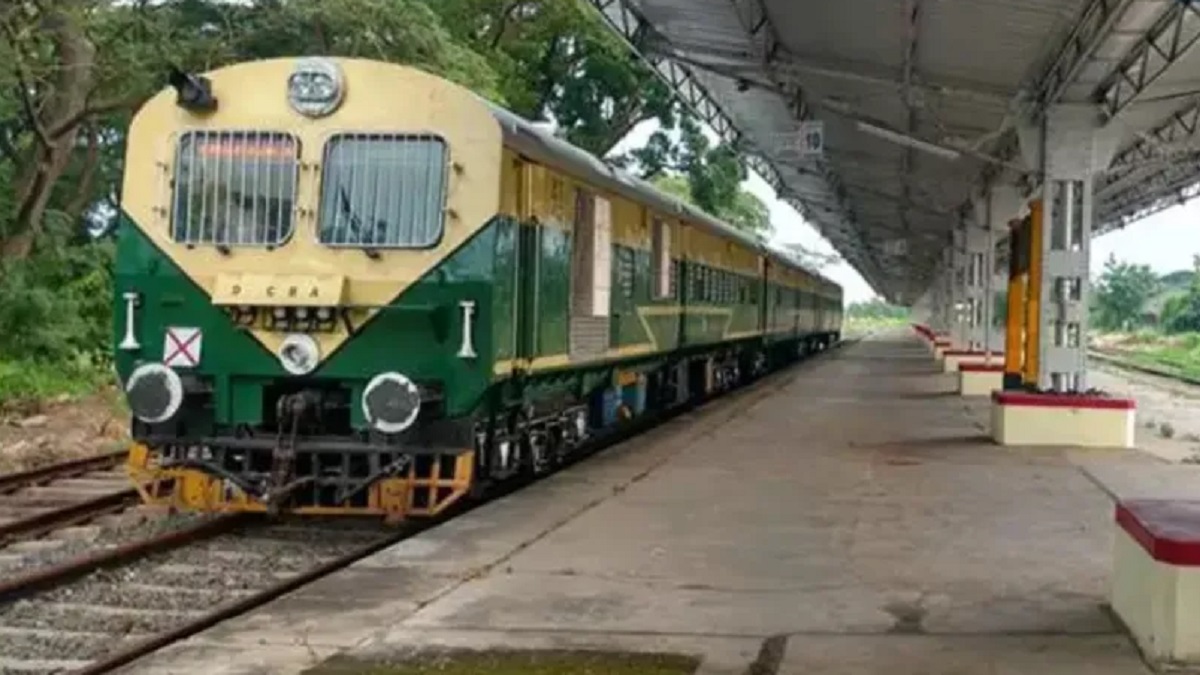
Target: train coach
347,286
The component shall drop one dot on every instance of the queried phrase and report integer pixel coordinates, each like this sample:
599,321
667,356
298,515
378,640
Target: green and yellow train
347,286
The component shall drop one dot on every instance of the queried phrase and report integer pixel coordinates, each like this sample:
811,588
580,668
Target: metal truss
1175,32
1162,45
752,14
1156,144
633,28
1145,205
1094,26
1176,182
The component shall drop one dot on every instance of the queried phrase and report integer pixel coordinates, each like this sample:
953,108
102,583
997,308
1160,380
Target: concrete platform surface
1159,481
849,516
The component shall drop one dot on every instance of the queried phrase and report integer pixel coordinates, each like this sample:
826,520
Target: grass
1175,353
505,662
24,381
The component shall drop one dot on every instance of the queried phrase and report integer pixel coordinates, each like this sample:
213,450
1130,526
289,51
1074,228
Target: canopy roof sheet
920,100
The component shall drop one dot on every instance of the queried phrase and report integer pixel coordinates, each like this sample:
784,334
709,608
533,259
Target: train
346,286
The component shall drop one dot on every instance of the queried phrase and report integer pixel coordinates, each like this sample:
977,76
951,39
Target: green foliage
556,60
1181,312
61,300
745,212
57,305
876,309
713,176
1121,293
399,31
1000,308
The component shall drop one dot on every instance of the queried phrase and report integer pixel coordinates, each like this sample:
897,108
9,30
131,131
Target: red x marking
181,348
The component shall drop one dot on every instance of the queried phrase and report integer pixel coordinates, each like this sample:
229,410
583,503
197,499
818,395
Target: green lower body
659,354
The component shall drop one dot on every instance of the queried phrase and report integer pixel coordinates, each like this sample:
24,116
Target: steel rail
1128,364
69,469
39,580
42,522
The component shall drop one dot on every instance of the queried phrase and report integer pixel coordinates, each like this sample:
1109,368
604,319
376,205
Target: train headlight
316,87
299,354
390,402
154,393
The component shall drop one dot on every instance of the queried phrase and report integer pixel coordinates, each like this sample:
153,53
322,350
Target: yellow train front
346,286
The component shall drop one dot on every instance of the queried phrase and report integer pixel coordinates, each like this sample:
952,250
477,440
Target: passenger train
353,287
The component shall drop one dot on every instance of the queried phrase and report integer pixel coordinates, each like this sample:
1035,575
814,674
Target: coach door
766,298
527,263
591,276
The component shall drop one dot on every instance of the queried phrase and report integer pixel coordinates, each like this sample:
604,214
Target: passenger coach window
234,188
383,190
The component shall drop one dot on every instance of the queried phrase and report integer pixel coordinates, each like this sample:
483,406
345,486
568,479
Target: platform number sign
812,138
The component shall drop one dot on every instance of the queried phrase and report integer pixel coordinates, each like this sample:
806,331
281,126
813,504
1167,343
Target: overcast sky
1165,241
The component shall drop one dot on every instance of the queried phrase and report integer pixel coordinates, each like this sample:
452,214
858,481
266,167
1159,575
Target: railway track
1116,360
36,502
92,616
124,598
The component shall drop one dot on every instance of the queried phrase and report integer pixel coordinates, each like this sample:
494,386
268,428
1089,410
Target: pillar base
980,379
1155,587
1020,418
953,358
940,346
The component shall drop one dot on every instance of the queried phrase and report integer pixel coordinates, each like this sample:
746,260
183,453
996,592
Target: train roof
543,145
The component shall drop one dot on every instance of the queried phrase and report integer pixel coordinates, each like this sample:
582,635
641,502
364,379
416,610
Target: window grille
383,191
234,188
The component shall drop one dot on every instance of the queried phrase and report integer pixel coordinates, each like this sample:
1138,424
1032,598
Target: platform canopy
917,105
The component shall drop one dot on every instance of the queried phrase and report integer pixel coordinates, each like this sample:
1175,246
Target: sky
1165,241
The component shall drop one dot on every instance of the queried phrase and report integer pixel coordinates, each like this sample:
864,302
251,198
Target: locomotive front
305,287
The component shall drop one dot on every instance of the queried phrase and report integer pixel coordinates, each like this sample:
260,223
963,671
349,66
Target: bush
28,381
56,308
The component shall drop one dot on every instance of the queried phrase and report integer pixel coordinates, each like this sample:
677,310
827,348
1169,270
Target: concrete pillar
993,210
960,261
947,295
998,324
1070,147
937,299
975,241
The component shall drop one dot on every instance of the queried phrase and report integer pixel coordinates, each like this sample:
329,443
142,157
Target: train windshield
235,188
383,191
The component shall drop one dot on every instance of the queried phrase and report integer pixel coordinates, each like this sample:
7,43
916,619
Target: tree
558,61
1181,313
747,212
712,176
1120,294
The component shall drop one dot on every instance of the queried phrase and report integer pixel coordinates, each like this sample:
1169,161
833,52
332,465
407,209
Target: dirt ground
36,434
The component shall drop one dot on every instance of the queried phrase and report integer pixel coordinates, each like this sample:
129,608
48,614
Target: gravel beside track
69,626
22,558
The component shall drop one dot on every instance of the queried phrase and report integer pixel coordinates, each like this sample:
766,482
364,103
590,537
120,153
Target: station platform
847,516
